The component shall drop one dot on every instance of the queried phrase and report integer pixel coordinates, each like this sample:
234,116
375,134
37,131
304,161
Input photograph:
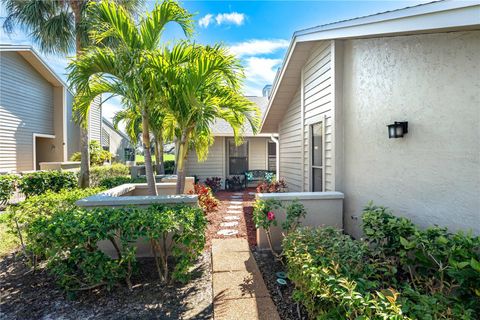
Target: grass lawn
166,157
8,241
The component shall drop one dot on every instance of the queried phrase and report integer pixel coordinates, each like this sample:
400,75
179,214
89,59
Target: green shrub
8,184
168,165
112,182
66,237
39,182
398,272
98,156
99,173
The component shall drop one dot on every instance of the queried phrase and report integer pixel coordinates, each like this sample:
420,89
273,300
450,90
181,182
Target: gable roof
439,16
222,128
32,57
106,122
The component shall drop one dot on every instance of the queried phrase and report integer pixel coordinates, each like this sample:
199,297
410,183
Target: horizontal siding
290,146
257,154
26,107
95,120
318,102
213,166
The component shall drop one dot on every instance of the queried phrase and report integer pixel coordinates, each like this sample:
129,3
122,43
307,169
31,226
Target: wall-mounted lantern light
397,130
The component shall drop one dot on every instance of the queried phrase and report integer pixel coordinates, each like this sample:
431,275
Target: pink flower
270,215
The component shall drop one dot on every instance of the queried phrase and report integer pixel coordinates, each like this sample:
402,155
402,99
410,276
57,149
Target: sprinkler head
281,275
282,282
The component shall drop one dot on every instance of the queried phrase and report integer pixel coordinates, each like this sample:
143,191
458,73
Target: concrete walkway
238,288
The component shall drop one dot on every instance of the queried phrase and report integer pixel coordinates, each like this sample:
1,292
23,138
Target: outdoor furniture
235,183
257,176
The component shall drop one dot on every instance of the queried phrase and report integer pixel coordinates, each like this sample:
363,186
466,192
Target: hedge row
398,272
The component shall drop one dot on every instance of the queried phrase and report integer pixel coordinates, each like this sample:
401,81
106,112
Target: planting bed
28,295
281,296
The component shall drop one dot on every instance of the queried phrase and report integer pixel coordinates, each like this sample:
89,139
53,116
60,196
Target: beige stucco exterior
433,82
432,175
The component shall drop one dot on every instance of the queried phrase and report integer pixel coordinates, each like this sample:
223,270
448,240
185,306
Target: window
237,157
129,154
316,140
272,156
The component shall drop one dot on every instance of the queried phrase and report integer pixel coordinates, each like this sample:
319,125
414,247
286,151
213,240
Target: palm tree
201,84
123,70
60,27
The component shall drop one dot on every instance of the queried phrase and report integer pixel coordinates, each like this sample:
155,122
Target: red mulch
246,227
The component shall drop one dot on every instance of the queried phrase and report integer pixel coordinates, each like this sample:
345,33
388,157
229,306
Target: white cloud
221,19
230,18
255,47
259,72
206,20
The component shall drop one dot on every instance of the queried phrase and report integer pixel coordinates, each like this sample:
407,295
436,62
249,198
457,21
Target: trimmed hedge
398,272
100,173
39,182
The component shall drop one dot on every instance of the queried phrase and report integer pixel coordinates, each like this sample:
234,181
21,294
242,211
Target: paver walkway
238,288
239,291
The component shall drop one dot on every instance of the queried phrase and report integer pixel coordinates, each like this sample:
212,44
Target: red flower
270,215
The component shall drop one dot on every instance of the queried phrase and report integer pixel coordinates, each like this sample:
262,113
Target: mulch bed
281,296
25,295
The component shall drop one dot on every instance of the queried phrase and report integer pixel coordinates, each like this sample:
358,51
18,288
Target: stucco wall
433,174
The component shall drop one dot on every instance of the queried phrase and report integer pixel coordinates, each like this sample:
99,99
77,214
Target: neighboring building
342,84
117,143
36,112
225,159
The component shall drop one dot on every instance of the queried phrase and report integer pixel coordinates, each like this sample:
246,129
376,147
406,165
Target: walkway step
229,224
235,207
227,232
238,287
236,202
232,218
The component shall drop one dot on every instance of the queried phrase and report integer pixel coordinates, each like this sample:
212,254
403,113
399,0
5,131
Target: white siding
257,153
318,102
26,107
290,146
213,166
95,120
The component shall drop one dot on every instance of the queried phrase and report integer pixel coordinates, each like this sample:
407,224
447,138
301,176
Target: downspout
277,155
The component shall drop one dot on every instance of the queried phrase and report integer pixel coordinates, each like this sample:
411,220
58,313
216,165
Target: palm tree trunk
152,190
156,153
161,164
182,152
84,176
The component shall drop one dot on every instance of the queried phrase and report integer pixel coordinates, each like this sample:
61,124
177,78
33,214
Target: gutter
277,155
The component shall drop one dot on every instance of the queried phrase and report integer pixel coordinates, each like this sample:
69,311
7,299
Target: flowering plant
214,183
206,199
270,215
272,186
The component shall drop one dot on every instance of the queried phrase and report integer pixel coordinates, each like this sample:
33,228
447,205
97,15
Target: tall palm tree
201,84
60,27
123,69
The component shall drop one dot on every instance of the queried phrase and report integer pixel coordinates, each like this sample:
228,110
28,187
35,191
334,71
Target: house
117,142
341,84
225,159
36,112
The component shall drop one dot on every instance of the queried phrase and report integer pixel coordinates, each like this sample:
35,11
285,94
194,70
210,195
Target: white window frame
310,154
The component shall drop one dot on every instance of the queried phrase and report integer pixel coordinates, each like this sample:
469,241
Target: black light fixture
397,129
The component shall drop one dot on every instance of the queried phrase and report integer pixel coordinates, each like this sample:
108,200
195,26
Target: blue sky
258,32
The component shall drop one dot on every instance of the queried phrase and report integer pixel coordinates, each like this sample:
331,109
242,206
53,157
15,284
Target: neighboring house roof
32,57
106,122
440,16
222,128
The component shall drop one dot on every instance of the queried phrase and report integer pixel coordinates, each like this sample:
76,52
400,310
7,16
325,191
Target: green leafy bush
39,182
168,165
98,156
112,182
100,173
8,184
398,272
54,229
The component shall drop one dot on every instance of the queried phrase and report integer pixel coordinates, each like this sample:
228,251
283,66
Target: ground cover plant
272,185
398,272
39,182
